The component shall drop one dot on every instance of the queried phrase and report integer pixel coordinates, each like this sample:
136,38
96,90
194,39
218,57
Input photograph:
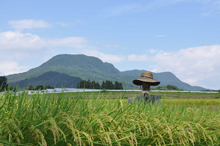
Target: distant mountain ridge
87,67
165,78
82,66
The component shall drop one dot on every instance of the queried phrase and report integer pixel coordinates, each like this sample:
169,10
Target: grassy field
89,119
127,94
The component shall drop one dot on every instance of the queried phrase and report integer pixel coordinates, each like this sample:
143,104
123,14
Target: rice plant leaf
10,143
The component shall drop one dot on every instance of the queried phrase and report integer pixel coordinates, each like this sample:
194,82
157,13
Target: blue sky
180,36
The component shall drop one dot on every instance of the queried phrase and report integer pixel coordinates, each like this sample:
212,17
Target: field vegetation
63,119
193,102
95,85
128,94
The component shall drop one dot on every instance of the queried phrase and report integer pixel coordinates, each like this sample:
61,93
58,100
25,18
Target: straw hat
146,77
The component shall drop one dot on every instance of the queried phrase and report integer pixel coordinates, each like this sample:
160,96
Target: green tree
159,87
3,83
31,88
39,87
103,85
88,84
109,85
120,86
172,87
97,86
92,85
116,85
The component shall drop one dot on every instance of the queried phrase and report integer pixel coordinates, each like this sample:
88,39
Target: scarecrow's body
146,80
154,99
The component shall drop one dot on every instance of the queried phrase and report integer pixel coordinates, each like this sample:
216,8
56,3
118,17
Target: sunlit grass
49,120
199,102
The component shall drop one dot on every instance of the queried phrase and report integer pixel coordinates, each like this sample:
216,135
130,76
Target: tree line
167,87
40,87
95,85
109,85
3,84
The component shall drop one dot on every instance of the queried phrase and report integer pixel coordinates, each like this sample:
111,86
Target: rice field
48,120
193,102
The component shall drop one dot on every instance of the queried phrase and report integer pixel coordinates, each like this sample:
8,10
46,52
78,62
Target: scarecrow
146,80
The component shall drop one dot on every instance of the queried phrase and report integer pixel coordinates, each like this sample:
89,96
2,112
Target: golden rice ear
113,122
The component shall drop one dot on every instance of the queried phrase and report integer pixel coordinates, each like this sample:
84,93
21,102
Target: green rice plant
48,119
195,102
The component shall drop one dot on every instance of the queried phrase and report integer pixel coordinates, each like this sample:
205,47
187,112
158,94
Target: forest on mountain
87,67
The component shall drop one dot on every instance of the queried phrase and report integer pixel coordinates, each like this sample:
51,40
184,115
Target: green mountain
84,67
87,67
165,78
50,78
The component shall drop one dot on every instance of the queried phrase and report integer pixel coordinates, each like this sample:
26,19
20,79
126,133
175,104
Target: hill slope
82,66
165,78
50,78
87,67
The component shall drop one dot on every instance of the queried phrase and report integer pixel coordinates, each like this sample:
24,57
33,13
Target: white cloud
31,49
197,65
152,51
11,67
143,57
25,48
160,36
27,41
62,24
28,24
15,40
112,46
76,42
134,57
104,57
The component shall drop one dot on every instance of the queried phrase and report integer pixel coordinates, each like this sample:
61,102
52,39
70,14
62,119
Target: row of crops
46,119
194,102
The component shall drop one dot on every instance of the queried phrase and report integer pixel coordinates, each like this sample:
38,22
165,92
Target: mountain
87,67
50,78
165,78
82,66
